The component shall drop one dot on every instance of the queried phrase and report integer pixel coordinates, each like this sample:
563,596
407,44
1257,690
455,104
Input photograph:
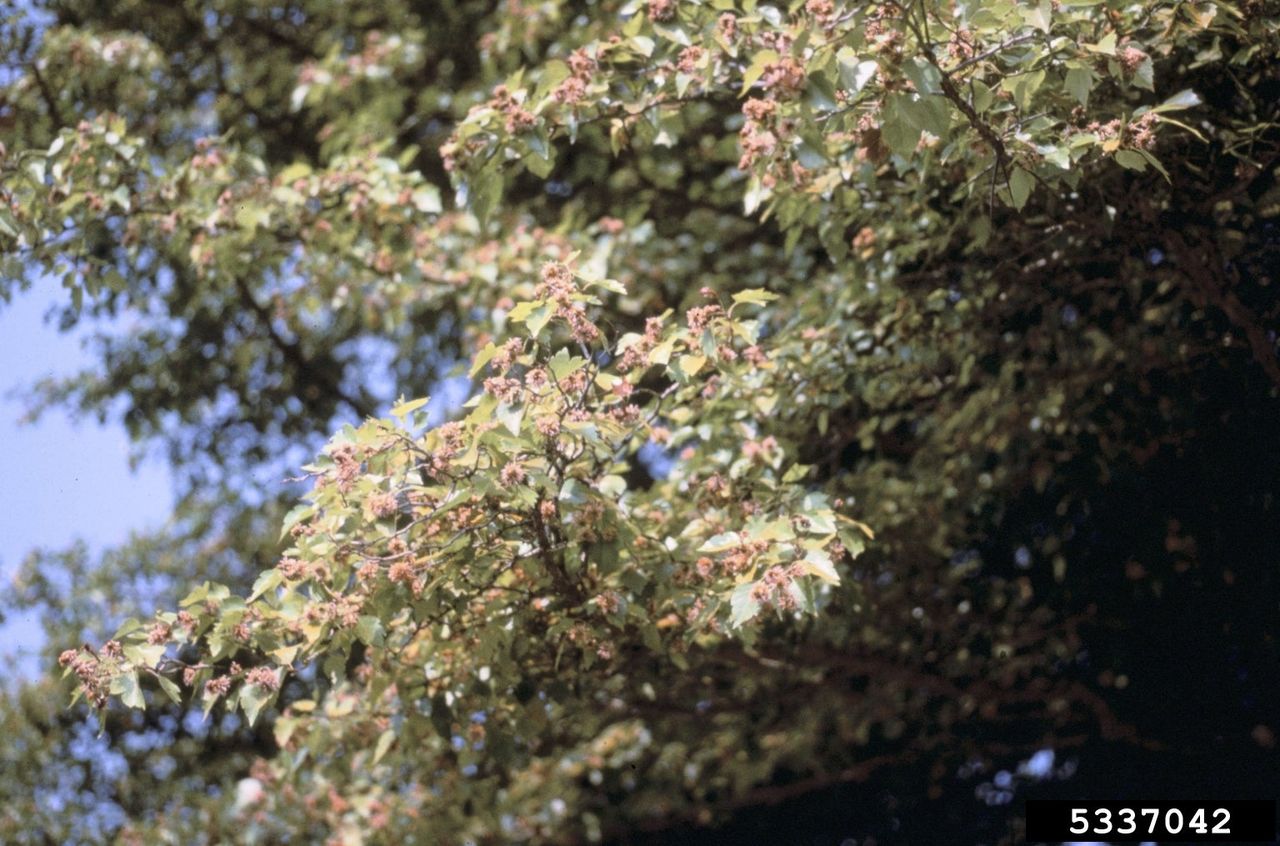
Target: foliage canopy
767,315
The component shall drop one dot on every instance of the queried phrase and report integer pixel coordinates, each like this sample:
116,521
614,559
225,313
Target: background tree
734,287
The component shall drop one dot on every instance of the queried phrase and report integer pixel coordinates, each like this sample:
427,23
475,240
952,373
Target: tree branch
294,354
1210,287
47,94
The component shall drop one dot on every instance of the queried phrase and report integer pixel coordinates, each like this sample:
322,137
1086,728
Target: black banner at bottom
1228,821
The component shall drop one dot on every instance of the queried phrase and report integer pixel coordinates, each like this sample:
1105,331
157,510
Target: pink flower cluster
518,118
573,89
557,286
662,10
348,465
383,505
773,587
637,354
93,673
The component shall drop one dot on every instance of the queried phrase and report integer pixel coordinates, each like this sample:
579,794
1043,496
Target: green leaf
642,44
295,516
484,193
613,286
562,364
1154,162
817,510
1107,46
742,607
144,654
900,135
754,296
1039,16
131,692
1130,160
923,75
817,562
612,485
127,626
689,365
170,689
541,160
1145,76
1023,87
427,200
674,34
721,542
554,72
821,93
1184,99
539,318
404,409
762,60
491,349
932,114
249,217
1020,185
983,96
8,224
755,195
267,580
510,416
369,630
385,740
253,698
1079,84
519,313
294,172
855,73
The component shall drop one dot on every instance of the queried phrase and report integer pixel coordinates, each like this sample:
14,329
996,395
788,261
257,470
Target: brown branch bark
47,95
952,93
294,354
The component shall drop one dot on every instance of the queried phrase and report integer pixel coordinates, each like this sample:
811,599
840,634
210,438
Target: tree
774,320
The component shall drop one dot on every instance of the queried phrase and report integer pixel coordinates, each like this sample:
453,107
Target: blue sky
64,478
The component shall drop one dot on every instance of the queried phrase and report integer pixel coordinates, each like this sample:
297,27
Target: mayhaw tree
769,314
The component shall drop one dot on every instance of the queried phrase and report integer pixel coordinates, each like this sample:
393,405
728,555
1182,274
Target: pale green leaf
131,692
721,542
369,630
1184,99
762,60
385,740
267,580
817,562
484,193
613,286
253,698
900,135
742,606
294,172
1039,16
1131,160
1107,46
754,296
1020,185
855,73
510,416
170,689
404,409
1079,83
8,225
